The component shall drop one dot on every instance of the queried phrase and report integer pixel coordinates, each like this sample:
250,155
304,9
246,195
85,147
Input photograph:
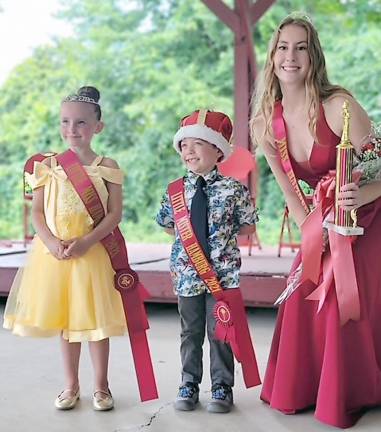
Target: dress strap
53,162
97,161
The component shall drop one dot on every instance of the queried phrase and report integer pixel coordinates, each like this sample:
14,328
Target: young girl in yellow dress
67,285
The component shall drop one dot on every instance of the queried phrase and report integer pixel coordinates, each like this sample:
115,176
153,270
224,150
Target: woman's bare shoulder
359,120
334,105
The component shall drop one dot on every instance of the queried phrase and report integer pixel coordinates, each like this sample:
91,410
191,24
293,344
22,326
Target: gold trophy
345,220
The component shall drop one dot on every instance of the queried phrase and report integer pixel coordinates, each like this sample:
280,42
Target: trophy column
345,221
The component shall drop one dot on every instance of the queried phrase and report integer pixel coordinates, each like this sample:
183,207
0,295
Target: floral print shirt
229,208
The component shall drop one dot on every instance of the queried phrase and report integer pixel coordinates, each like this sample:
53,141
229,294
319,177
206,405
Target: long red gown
315,362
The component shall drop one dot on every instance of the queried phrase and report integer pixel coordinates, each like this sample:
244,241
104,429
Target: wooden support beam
240,21
258,9
224,13
246,33
241,93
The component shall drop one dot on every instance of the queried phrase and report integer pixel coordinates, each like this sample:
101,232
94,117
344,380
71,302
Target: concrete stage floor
31,377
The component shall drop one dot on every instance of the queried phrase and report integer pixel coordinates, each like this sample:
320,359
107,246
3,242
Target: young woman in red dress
317,361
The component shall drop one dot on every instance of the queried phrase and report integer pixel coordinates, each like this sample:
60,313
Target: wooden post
240,20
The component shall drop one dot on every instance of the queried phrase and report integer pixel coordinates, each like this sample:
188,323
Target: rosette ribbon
231,327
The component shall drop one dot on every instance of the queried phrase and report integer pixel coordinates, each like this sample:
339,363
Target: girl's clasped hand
67,249
76,247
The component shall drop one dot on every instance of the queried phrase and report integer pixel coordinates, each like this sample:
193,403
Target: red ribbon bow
337,264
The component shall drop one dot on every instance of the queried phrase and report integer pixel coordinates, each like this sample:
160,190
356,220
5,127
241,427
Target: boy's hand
170,231
247,230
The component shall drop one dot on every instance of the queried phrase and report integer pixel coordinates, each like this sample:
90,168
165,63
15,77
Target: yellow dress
76,296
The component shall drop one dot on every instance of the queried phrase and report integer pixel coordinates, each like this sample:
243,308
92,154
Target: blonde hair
318,87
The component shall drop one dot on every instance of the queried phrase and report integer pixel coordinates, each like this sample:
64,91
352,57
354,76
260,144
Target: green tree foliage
155,61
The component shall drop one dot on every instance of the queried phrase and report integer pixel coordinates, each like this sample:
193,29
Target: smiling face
291,57
79,123
198,155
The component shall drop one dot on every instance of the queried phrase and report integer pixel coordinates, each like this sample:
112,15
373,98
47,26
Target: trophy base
345,231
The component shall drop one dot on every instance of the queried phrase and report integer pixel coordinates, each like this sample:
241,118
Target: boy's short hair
211,126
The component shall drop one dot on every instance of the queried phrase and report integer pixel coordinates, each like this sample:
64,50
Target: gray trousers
195,312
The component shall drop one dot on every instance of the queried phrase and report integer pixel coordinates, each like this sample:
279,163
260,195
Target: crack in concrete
145,425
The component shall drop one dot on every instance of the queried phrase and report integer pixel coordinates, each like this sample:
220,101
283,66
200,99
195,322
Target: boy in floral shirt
202,141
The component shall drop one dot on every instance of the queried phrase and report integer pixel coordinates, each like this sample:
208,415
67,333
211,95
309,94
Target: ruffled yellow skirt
76,296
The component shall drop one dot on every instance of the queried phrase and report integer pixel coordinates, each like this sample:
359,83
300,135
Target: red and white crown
211,126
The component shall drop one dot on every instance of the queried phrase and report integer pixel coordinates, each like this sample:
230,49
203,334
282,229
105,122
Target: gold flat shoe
102,400
67,399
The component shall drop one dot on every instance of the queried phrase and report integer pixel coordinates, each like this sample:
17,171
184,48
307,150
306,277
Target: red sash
308,248
280,135
126,280
337,264
229,311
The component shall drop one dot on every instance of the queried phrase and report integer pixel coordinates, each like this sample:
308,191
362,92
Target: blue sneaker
222,399
187,397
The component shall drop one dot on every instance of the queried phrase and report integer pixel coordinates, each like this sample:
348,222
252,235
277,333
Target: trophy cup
345,220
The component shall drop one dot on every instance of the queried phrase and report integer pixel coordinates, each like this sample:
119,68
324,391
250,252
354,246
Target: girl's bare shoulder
110,163
48,161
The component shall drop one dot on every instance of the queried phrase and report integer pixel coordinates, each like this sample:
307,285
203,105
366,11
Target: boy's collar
209,177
